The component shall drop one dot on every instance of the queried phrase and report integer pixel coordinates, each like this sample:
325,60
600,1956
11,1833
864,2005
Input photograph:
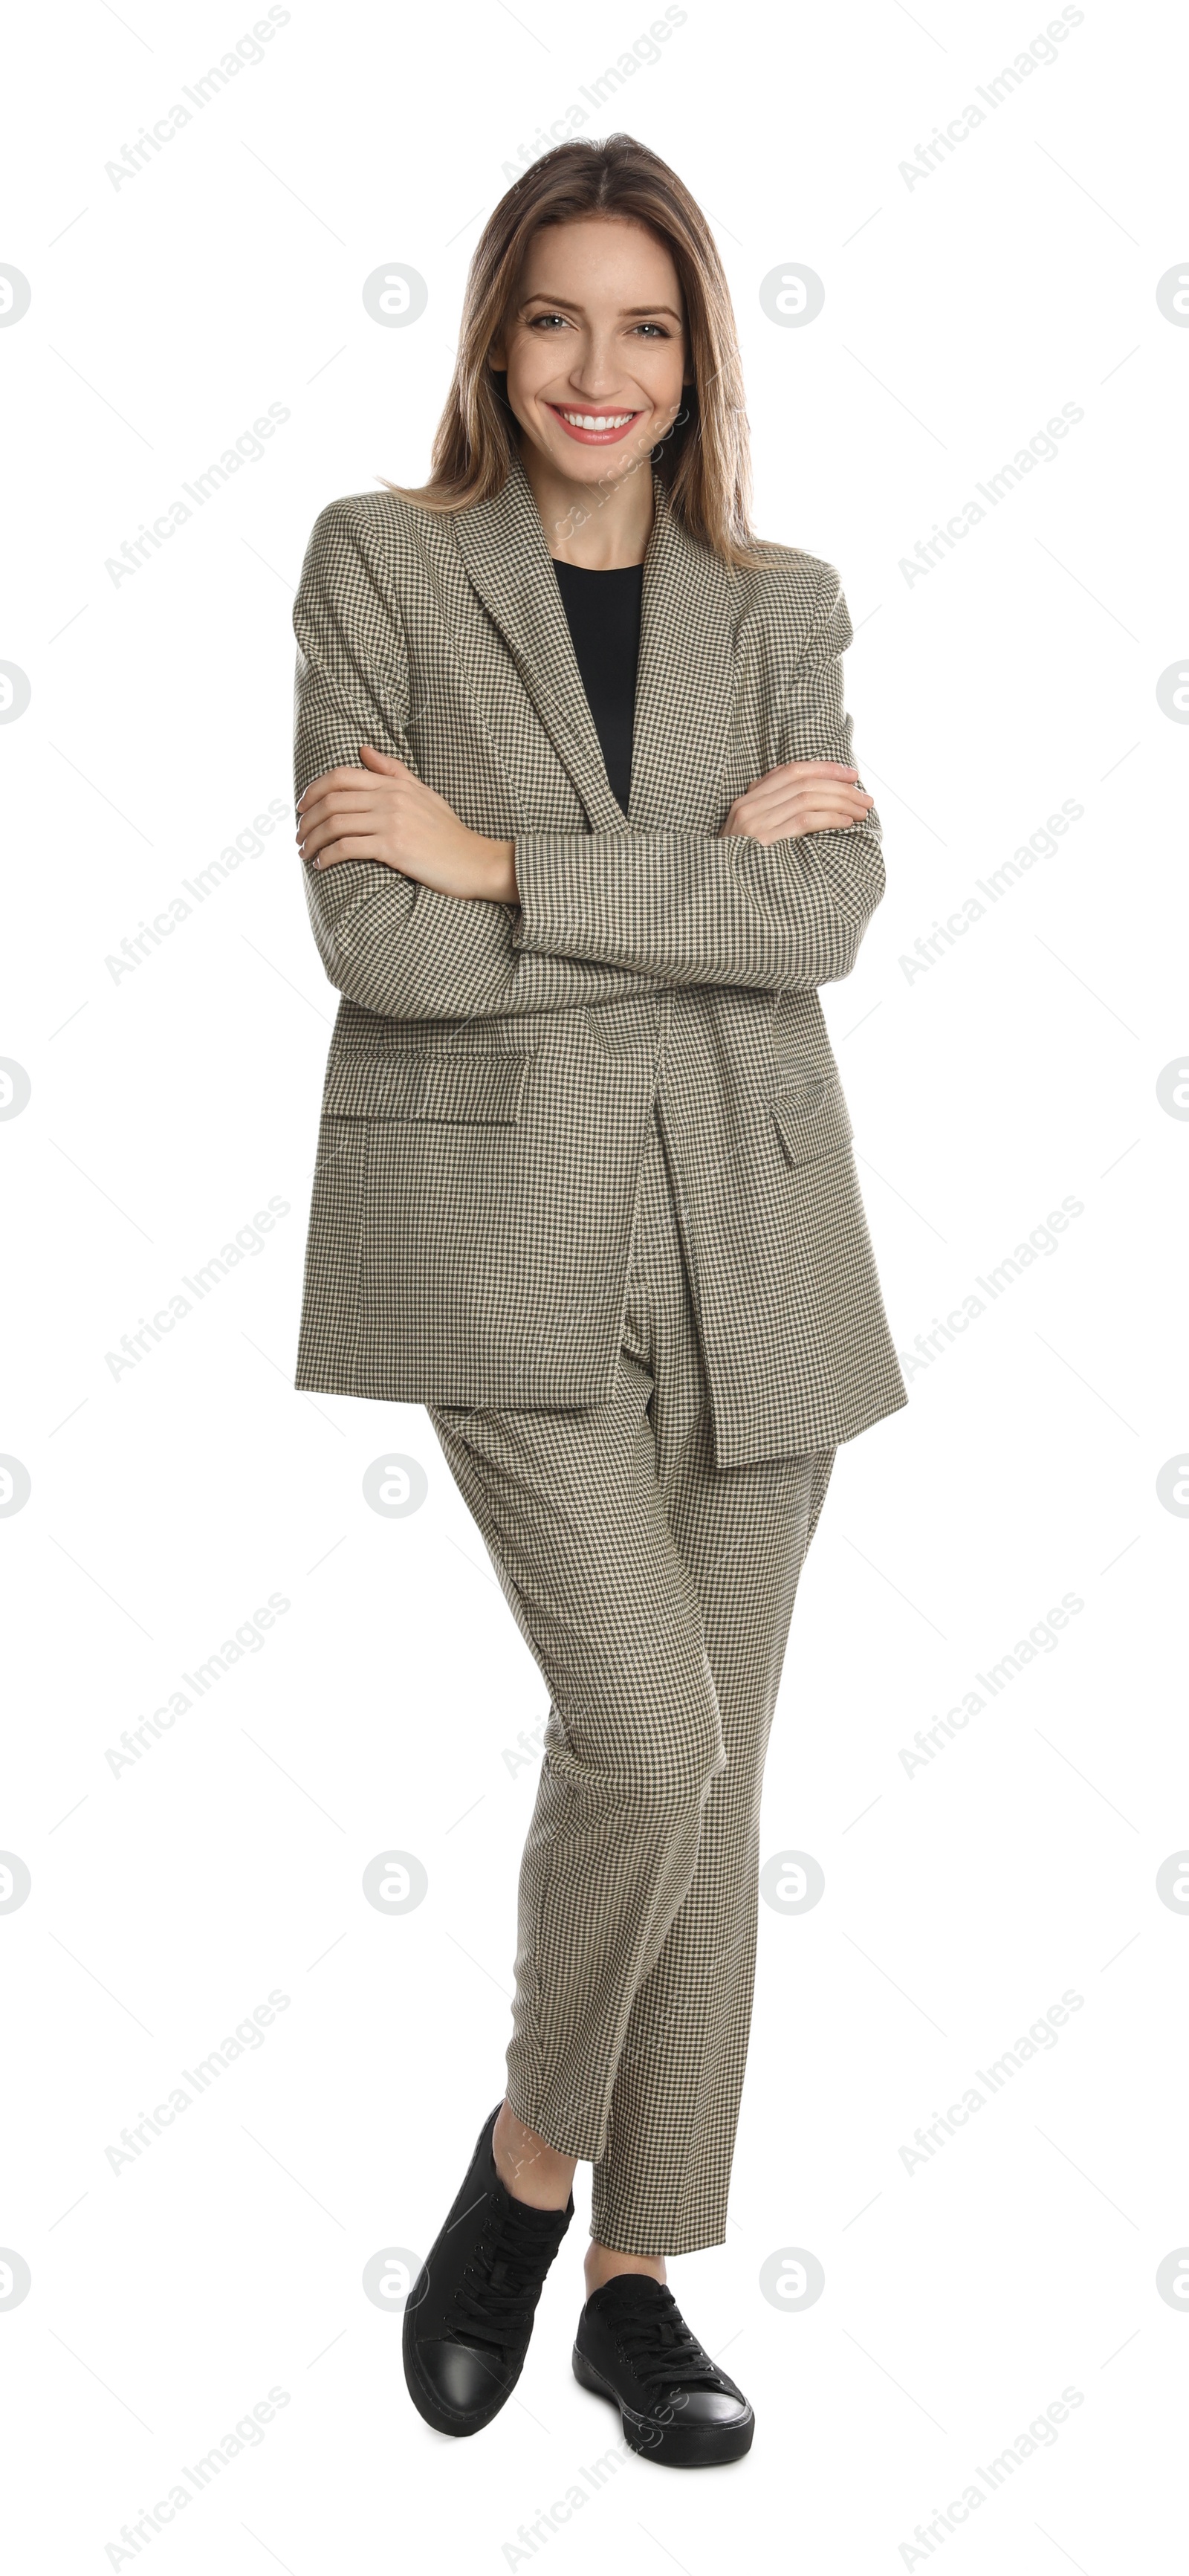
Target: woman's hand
383,813
801,796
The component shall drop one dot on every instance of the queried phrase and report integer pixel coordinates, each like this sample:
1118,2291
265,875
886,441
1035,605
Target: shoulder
791,606
367,562
384,520
788,584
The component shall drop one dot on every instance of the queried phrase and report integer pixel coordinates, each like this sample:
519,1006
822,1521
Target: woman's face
597,333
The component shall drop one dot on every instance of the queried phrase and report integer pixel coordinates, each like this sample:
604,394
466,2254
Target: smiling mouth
594,428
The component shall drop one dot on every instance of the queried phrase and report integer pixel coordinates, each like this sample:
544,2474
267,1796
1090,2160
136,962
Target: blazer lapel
685,674
685,680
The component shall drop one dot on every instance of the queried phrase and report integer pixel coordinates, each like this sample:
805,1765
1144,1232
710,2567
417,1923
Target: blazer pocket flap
811,1118
471,1088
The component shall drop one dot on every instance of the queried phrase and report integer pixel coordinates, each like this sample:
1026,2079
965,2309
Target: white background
963,1898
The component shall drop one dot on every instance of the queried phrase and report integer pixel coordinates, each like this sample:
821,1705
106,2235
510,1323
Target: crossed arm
416,915
384,812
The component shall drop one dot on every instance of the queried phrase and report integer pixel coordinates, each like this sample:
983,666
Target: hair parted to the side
704,461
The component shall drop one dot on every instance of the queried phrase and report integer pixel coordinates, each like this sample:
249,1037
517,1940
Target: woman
581,837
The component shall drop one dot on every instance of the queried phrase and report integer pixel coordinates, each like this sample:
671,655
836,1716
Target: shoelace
662,2349
495,2301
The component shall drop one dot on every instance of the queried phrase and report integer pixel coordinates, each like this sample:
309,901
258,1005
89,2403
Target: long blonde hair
704,462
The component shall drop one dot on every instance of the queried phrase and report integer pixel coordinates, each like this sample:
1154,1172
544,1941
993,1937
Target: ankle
603,2263
528,2167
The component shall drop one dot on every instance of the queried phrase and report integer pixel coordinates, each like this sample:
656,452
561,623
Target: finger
795,781
824,819
360,788
351,801
796,802
354,808
314,837
791,800
820,816
807,769
354,847
343,815
814,822
327,779
784,814
836,790
849,801
332,826
352,777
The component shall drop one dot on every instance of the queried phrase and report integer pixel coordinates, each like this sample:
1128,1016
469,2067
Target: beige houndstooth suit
585,1189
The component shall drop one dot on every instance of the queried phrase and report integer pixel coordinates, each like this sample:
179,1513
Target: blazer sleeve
390,944
696,908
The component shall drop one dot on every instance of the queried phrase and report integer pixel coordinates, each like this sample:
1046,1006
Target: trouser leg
743,1533
569,1508
662,2185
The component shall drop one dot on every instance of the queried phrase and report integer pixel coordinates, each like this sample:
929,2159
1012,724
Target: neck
598,526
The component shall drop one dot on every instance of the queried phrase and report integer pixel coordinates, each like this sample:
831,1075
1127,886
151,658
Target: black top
603,609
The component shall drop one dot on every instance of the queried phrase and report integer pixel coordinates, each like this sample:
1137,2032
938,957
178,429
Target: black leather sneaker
635,2347
470,2311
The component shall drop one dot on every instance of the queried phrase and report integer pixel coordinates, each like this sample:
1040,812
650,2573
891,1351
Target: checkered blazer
494,1066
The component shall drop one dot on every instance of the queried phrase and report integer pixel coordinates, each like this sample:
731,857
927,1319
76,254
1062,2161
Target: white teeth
598,420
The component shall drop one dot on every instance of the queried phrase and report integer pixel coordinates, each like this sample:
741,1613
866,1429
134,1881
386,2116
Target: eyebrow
630,312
